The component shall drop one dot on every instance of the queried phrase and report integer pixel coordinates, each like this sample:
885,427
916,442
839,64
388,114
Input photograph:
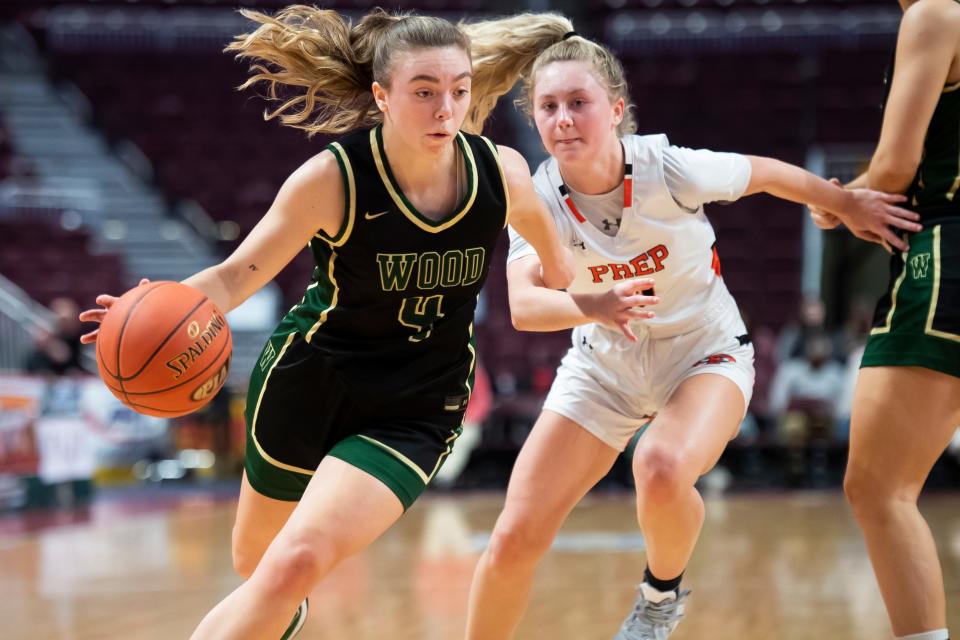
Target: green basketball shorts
300,410
917,321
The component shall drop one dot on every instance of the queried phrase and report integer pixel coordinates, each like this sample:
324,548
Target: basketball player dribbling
906,405
359,394
632,208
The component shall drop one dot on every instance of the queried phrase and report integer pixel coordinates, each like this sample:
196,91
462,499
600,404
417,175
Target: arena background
126,152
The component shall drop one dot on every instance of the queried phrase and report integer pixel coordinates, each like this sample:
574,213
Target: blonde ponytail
330,64
503,50
320,67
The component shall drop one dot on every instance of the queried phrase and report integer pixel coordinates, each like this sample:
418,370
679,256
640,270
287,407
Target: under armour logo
584,343
920,265
579,244
607,225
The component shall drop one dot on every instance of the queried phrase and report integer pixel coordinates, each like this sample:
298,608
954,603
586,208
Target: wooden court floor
784,567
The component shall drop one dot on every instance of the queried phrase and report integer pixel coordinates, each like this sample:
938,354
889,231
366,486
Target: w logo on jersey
269,353
920,265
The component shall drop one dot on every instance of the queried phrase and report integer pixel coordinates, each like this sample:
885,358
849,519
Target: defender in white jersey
656,333
651,226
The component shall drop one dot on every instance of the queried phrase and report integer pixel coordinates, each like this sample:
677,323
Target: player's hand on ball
97,315
625,302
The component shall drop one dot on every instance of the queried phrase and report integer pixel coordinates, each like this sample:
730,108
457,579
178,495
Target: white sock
653,595
936,634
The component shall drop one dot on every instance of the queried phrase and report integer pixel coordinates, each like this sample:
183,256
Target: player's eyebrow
429,78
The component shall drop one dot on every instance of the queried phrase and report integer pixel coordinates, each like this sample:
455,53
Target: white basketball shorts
611,386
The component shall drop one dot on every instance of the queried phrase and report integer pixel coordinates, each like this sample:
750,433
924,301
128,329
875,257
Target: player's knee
660,474
517,544
872,496
295,569
861,487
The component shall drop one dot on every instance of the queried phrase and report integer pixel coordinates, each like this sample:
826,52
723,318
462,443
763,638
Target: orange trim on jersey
567,199
627,194
573,208
627,186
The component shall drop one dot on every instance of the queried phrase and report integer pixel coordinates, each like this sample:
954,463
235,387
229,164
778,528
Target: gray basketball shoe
654,615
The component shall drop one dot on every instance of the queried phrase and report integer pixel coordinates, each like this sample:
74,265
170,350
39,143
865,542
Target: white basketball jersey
657,237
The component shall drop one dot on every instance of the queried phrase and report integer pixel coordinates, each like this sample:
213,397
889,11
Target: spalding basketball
164,349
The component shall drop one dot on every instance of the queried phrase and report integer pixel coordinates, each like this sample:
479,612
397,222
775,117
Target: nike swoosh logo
371,216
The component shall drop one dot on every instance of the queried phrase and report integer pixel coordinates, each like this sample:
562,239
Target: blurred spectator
69,327
58,352
807,392
49,355
857,327
793,338
856,330
759,419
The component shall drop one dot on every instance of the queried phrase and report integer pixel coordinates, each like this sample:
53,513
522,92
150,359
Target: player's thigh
343,510
558,464
903,418
701,416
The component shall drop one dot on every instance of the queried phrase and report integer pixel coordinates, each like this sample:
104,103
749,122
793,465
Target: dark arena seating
206,140
47,261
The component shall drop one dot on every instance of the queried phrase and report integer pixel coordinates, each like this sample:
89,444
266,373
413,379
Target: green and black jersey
933,192
917,321
394,292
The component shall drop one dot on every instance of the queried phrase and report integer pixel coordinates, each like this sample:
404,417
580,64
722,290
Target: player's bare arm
925,59
868,214
530,218
535,307
311,199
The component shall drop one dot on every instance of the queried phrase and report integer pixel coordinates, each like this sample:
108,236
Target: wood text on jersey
452,268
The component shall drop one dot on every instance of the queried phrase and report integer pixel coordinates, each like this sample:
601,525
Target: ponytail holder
569,34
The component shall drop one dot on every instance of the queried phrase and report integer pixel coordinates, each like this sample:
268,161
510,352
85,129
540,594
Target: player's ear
618,108
379,96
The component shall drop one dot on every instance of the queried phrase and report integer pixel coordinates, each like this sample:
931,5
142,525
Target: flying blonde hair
320,66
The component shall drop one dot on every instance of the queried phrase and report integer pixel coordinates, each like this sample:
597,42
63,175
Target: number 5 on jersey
419,312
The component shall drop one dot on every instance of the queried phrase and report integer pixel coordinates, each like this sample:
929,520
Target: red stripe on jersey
573,210
627,191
